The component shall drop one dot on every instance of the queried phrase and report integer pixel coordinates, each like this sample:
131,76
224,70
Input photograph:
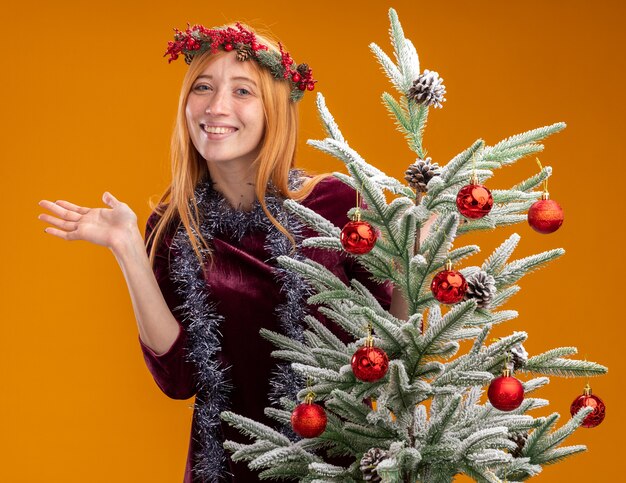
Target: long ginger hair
276,157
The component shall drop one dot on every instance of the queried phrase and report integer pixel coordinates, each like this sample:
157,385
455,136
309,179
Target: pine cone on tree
420,173
244,52
520,440
519,356
428,89
371,459
482,288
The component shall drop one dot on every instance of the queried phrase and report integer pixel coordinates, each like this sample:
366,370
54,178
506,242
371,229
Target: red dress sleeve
171,371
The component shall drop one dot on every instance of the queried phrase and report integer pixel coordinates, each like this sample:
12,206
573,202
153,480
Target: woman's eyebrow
242,78
238,78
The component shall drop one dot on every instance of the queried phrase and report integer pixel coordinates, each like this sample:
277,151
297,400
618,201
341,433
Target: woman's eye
243,92
202,87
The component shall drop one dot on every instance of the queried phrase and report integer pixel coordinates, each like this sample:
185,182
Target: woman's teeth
218,129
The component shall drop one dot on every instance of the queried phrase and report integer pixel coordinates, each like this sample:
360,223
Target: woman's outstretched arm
116,228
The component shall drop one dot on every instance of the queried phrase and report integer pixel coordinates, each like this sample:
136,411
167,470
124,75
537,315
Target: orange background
88,104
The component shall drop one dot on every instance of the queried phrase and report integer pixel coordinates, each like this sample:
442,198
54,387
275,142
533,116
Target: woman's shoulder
154,219
155,215
333,189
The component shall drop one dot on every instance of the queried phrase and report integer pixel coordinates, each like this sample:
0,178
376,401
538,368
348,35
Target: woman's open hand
108,227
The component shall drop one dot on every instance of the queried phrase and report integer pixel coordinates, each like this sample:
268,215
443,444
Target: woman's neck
235,185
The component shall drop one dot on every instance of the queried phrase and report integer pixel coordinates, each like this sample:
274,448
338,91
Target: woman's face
225,114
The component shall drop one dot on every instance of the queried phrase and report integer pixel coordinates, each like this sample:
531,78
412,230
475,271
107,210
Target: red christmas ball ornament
545,215
474,200
370,364
449,286
296,77
309,419
358,237
228,47
588,400
310,86
506,393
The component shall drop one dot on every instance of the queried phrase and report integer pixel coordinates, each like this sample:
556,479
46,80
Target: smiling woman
204,279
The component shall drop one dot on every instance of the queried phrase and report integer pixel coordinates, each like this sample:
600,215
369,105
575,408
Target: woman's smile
218,129
217,133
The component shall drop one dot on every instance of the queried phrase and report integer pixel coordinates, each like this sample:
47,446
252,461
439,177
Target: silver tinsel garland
201,320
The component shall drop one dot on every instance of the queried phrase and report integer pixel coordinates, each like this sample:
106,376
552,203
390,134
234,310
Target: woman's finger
110,200
72,207
63,224
60,211
66,235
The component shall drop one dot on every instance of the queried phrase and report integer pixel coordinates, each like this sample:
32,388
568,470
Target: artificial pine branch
328,121
255,429
509,156
528,137
401,394
566,368
323,226
496,261
515,270
388,67
279,415
243,452
329,339
534,181
484,316
549,441
503,296
284,471
399,114
441,421
348,407
331,358
419,117
559,454
534,384
405,53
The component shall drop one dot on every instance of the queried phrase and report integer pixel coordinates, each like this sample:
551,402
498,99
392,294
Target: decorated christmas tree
400,402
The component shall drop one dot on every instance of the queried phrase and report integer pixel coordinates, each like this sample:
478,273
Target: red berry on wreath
506,393
358,237
449,286
588,400
474,200
228,47
309,419
546,215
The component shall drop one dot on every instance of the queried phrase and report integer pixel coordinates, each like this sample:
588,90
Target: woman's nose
217,103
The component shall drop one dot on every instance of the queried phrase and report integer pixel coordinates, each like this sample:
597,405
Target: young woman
209,279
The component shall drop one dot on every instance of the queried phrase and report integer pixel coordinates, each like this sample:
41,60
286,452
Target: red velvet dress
244,290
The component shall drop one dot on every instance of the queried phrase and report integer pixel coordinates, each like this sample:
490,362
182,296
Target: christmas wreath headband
199,39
